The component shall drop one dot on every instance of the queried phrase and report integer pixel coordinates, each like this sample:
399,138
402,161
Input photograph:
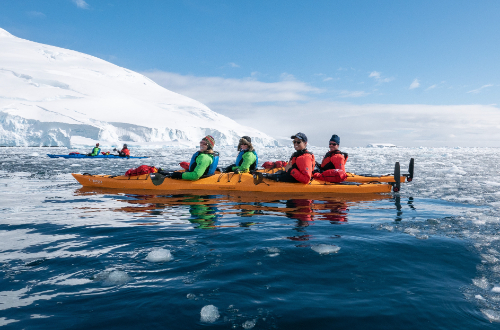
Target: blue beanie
335,138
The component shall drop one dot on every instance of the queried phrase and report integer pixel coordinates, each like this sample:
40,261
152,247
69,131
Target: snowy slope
54,96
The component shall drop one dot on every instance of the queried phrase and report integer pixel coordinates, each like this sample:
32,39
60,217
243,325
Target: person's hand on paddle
176,175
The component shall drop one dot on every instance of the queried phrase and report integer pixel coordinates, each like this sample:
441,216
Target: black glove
114,149
229,168
236,171
176,175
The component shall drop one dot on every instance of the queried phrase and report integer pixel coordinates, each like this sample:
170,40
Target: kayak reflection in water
301,164
202,215
302,211
337,212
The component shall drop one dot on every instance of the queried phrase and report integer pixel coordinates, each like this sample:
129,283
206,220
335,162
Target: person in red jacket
301,164
332,168
124,152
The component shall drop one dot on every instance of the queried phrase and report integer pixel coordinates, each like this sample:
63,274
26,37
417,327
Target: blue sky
284,66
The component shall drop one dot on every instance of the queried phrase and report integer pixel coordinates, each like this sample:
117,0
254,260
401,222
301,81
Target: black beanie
249,139
335,138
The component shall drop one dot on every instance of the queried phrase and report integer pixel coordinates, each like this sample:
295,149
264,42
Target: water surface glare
77,258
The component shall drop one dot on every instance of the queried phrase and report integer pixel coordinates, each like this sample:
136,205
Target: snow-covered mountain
51,96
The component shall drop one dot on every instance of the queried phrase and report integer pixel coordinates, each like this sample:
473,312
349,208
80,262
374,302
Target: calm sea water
74,258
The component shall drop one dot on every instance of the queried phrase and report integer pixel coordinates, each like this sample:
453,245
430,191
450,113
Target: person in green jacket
246,160
95,151
200,162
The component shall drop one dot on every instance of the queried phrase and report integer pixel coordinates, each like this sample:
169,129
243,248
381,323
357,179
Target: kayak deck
229,182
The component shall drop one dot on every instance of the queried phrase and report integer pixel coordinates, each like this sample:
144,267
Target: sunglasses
297,142
333,144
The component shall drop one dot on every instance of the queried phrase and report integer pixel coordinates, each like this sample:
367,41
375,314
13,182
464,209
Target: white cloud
478,90
36,14
414,84
215,90
353,93
288,106
359,125
430,87
328,79
81,4
233,65
374,74
378,77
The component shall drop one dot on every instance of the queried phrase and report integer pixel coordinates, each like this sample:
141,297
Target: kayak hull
351,177
98,156
228,182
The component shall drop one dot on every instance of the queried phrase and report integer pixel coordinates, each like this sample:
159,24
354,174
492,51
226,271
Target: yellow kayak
365,178
227,182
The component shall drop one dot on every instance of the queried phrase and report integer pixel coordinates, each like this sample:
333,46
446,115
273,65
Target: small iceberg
159,255
249,324
209,314
325,248
115,277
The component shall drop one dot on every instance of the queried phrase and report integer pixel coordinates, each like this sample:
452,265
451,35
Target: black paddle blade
397,178
410,170
157,178
258,178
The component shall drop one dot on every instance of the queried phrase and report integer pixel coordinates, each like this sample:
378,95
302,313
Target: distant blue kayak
85,156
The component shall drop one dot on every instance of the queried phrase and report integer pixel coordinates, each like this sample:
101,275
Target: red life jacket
303,164
125,151
334,160
143,169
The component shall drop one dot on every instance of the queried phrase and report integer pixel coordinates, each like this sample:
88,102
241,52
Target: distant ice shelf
381,145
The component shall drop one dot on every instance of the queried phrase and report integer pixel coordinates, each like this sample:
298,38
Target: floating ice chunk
159,255
116,277
453,170
249,324
481,283
273,250
491,314
325,248
191,296
272,255
496,289
209,314
489,258
387,227
412,231
433,221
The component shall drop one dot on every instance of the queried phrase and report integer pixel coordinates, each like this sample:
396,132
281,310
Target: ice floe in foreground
115,277
325,248
209,314
159,255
